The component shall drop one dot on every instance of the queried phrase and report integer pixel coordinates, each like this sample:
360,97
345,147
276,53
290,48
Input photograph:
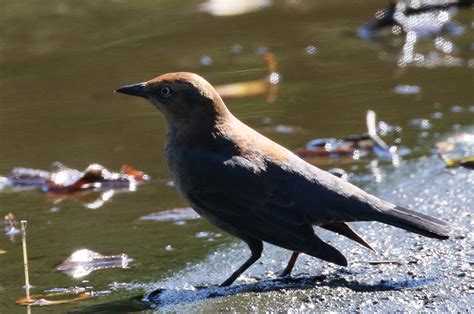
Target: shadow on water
171,297
128,305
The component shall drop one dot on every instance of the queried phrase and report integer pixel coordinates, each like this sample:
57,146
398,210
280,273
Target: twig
25,259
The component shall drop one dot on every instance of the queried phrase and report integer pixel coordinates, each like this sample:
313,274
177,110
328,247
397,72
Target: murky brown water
61,60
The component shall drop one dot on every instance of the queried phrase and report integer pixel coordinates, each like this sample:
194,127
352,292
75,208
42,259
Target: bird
256,189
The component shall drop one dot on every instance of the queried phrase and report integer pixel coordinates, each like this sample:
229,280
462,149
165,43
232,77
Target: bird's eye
165,91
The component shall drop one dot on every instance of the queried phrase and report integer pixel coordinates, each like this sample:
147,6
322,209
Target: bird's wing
292,191
243,197
240,187
262,200
279,201
268,201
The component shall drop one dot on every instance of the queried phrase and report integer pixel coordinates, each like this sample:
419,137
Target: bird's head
183,98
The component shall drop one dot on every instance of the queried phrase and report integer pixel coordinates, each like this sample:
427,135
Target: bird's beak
134,89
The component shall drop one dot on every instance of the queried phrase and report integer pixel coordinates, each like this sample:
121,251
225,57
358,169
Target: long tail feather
416,222
346,230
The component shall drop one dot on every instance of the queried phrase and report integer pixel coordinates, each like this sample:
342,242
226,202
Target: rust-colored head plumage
180,96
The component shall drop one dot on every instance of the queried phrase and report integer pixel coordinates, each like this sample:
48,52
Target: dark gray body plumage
254,188
250,193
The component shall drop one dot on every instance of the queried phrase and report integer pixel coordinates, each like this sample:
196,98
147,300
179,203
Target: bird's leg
256,247
291,263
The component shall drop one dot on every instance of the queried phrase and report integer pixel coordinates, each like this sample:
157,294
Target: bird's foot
284,274
225,284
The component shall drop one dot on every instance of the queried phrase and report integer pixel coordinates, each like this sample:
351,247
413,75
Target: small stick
25,259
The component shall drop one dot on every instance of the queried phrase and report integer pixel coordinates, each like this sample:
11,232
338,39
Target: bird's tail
416,222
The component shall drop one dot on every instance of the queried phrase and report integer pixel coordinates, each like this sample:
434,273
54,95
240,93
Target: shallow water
60,62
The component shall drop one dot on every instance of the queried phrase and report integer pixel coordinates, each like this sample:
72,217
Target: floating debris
458,140
407,89
423,18
466,162
457,150
137,175
352,147
267,85
62,179
3,182
63,182
382,19
52,299
419,19
232,7
334,148
27,177
83,262
383,128
11,225
94,177
175,214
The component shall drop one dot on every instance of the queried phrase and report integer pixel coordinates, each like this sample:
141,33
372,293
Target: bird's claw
283,274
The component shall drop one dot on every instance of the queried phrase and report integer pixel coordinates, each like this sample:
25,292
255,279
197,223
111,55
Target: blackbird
255,189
